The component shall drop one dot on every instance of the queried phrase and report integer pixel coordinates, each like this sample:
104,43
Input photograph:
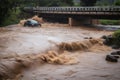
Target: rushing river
108,27
17,40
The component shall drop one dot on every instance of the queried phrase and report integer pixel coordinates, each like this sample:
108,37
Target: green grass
110,22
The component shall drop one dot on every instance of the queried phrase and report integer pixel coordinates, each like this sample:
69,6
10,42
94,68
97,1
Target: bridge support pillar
95,21
73,22
80,21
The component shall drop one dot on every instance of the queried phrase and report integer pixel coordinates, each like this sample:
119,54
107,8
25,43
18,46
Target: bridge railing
78,9
73,9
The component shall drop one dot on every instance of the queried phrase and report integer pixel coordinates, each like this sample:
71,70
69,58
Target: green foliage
102,3
5,7
88,2
12,18
76,4
110,22
116,35
8,8
117,3
68,2
108,3
55,2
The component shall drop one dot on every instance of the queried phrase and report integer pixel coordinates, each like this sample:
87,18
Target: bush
13,18
116,36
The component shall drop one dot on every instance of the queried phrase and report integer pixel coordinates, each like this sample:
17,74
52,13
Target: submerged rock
115,47
108,40
115,53
111,58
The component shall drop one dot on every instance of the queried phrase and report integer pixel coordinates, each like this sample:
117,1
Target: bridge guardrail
78,9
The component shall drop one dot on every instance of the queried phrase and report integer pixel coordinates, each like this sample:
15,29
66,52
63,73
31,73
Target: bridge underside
75,20
99,16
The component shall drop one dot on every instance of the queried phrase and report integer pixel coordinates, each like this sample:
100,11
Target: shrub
116,36
13,18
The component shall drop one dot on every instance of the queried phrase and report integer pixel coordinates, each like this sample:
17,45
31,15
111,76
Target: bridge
76,15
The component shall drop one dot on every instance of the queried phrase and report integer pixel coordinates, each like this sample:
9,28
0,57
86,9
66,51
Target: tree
56,2
103,3
68,2
117,3
5,7
88,2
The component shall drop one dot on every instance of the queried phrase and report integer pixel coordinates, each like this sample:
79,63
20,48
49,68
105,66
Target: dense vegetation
55,2
116,35
11,10
117,3
88,2
6,6
108,3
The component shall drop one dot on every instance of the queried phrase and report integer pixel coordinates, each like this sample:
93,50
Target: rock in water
111,58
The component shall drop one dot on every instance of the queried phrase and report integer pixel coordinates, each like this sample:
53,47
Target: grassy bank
110,22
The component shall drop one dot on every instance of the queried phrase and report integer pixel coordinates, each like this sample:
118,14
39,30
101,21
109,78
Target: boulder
111,58
115,53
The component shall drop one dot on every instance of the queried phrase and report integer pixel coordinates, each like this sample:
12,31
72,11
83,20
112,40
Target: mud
37,55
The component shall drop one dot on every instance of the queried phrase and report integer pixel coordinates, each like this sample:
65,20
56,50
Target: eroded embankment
11,68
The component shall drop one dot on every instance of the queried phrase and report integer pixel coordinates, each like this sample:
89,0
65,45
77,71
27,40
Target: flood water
108,27
17,40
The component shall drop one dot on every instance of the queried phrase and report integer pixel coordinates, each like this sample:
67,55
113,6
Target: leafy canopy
88,2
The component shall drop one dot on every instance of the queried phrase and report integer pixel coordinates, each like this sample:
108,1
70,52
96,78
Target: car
32,23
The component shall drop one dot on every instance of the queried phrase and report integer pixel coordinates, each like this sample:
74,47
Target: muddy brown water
16,41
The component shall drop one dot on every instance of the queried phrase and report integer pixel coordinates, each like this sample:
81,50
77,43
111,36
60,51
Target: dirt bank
16,41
